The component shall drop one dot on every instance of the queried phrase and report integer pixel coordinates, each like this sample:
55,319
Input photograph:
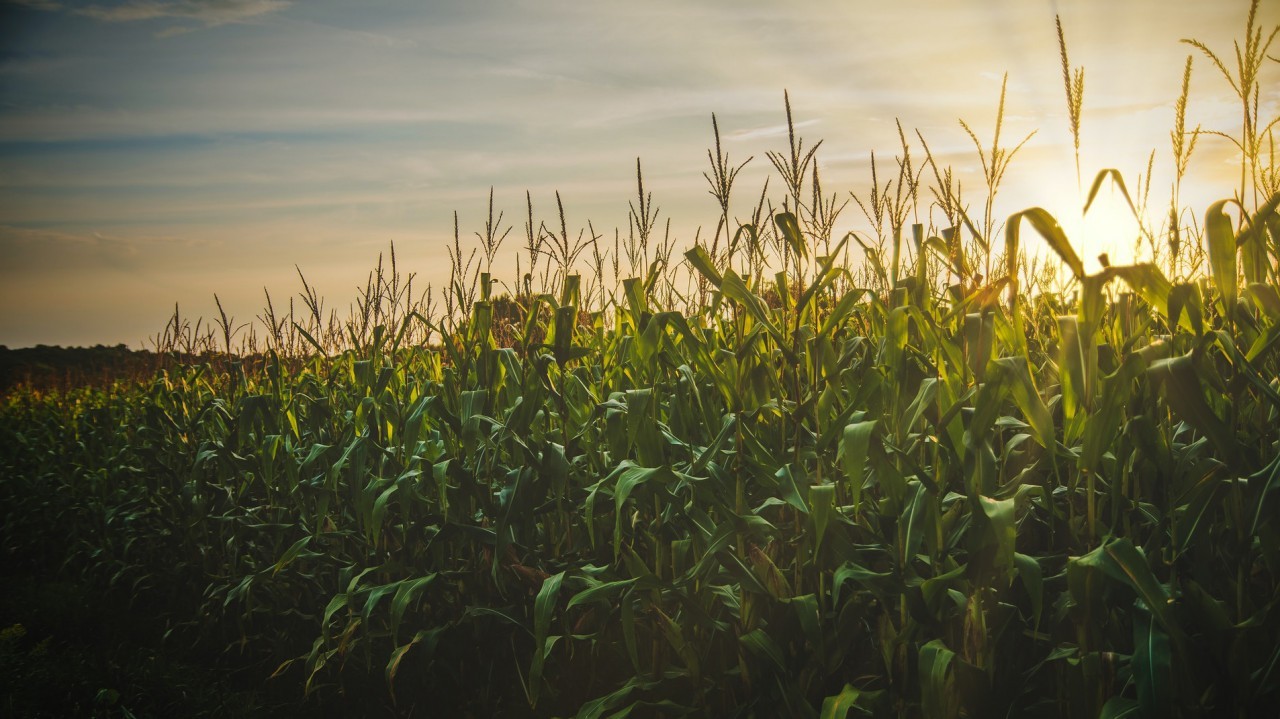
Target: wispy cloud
209,12
770,131
48,5
28,248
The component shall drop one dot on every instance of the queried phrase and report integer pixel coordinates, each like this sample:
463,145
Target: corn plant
913,490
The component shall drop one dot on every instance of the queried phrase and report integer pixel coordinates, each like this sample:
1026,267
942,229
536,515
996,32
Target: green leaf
1137,573
854,443
1267,481
1092,299
926,397
544,606
643,409
1185,298
1152,666
1101,427
1028,399
405,594
1077,360
913,519
1266,298
430,636
728,425
769,576
596,708
826,275
735,289
1122,562
601,592
873,255
291,554
788,489
629,632
1011,376
839,313
338,602
822,499
1265,341
1118,180
1002,531
702,262
1032,580
762,645
1196,504
882,584
562,337
571,290
628,476
1182,391
1148,281
380,511
837,706
810,618
310,340
375,596
979,334
789,227
1048,227
1119,707
937,685
686,650
1222,253
1253,241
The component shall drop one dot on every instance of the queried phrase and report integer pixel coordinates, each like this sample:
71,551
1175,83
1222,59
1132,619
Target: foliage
930,493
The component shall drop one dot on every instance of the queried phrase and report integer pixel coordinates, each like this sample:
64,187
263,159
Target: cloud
27,249
209,12
48,5
769,131
173,31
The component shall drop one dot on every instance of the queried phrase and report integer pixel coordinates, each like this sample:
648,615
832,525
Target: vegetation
911,473
45,368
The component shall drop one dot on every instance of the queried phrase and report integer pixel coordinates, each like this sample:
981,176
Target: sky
155,152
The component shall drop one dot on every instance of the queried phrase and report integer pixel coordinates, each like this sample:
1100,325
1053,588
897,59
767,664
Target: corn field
915,472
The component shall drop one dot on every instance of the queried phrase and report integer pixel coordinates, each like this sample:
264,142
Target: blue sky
159,151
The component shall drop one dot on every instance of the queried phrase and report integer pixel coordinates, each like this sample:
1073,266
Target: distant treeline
45,368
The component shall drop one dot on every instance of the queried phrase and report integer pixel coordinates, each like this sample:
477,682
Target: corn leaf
1222,253
1048,228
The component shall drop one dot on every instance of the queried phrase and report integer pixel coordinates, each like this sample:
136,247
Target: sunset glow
726,358
163,152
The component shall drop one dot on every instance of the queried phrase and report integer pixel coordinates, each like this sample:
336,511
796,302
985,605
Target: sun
1108,233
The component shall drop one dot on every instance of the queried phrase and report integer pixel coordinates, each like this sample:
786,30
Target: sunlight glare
1109,227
